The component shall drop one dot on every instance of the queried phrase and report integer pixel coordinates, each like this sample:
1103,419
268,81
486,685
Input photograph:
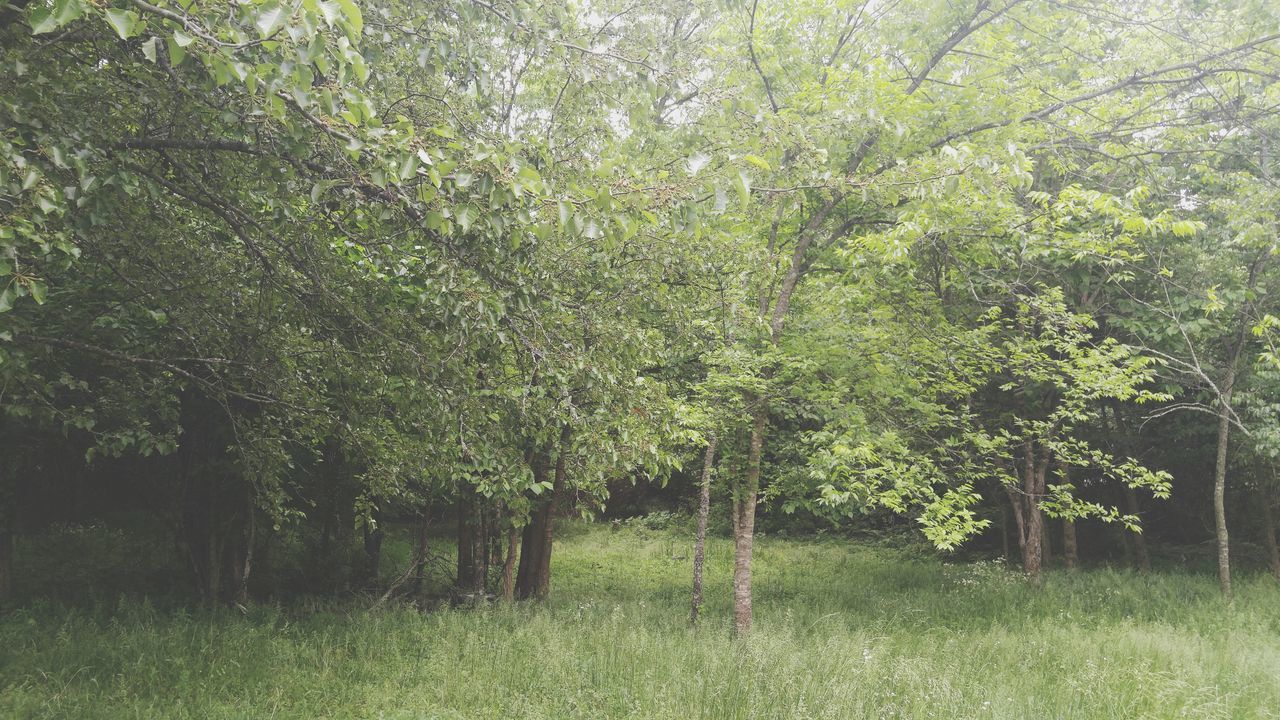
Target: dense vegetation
843,631
991,275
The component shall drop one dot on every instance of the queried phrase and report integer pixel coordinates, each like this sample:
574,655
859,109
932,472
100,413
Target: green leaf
743,186
149,48
352,13
270,19
45,19
42,21
176,53
124,22
565,210
330,12
38,291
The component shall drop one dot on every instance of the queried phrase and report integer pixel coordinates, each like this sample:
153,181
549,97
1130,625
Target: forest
639,358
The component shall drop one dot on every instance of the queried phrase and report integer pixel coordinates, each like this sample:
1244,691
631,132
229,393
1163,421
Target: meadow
844,629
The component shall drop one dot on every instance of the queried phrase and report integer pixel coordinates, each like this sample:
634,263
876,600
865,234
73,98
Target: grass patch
842,631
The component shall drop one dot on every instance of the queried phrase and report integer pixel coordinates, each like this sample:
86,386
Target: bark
543,587
509,565
420,553
1224,433
481,547
345,533
1004,533
213,564
470,569
6,562
1269,535
1220,482
1140,554
1126,545
533,578
700,540
242,561
744,535
372,553
8,519
1033,490
530,549
493,538
1135,543
1046,544
1070,553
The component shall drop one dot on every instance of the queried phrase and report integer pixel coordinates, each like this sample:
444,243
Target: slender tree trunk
1046,550
1070,553
1126,546
1269,534
1004,533
6,561
420,553
372,554
244,561
345,533
213,563
1220,483
1033,488
482,548
744,539
1135,543
470,572
1140,553
494,538
700,540
509,564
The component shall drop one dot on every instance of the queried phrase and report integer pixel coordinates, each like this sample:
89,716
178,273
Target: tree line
309,269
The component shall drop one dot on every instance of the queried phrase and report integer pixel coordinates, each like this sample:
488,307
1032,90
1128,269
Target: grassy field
843,631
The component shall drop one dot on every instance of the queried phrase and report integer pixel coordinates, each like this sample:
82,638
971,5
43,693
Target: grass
842,631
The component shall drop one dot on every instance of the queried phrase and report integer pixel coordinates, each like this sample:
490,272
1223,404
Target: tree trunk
9,514
1220,483
242,562
1033,489
6,561
1004,533
1135,543
372,553
470,572
420,553
1141,556
1269,534
1126,545
482,546
700,540
1069,551
533,578
530,548
509,564
213,562
543,587
1046,549
744,535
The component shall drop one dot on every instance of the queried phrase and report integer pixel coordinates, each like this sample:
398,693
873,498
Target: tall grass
842,631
